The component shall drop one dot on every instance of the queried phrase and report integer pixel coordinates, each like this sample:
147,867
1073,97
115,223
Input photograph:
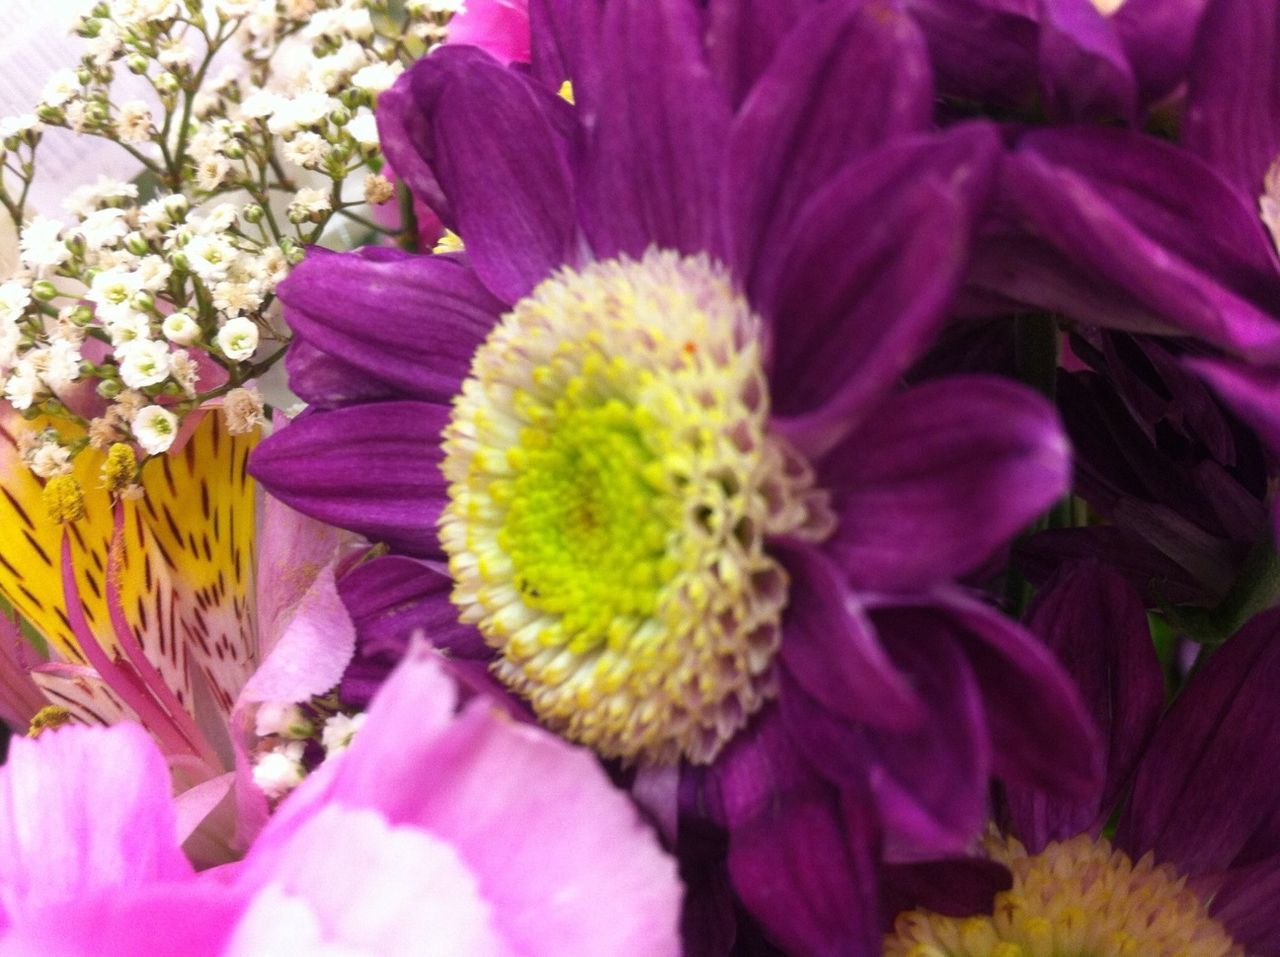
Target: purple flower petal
652,155
498,144
374,469
931,783
411,323
799,854
871,267
1207,782
1096,623
848,76
1124,231
404,133
1084,72
1158,36
1246,903
957,887
1233,106
1040,729
1252,392
940,478
563,34
742,36
831,647
325,381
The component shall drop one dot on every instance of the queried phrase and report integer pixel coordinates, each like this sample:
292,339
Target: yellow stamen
1078,898
120,470
63,499
48,718
566,91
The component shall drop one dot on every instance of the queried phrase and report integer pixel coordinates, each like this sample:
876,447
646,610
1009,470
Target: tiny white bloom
338,732
280,770
61,364
310,200
212,171
41,243
210,257
155,428
14,299
364,129
305,109
180,328
50,459
103,228
14,125
238,339
307,150
260,103
127,327
377,77
133,125
24,386
60,88
143,362
281,718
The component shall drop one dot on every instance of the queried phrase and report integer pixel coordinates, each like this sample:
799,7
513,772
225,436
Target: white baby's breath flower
17,125
155,428
41,243
219,219
14,299
338,732
61,88
260,104
212,172
308,150
233,298
143,362
281,718
175,53
133,125
305,109
184,370
10,338
127,327
280,770
102,228
364,129
153,273
112,292
180,328
242,409
308,201
49,459
377,77
24,386
60,364
210,257
238,339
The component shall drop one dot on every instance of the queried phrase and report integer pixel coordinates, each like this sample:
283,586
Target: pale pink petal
559,853
369,888
82,809
20,698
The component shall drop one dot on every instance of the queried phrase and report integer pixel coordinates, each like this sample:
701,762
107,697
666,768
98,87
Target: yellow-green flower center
613,484
1074,899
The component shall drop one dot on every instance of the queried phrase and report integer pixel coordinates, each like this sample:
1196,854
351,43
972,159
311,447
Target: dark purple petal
957,887
1084,72
868,275
1208,782
742,36
942,476
930,783
374,469
1252,392
848,76
1247,901
497,142
799,854
324,381
1096,624
563,34
830,647
1125,231
404,133
1233,106
411,323
1041,732
652,158
981,50
1158,36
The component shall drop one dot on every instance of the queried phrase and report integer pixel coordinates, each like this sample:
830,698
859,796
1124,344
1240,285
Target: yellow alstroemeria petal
187,582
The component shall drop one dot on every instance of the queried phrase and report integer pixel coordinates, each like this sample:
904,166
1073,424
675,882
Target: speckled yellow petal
187,569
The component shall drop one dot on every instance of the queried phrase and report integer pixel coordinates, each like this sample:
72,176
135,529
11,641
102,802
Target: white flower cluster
159,295
284,730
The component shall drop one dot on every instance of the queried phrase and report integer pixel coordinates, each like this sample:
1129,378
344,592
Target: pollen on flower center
1078,898
613,484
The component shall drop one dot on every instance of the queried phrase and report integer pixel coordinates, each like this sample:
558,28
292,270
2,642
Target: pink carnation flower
440,831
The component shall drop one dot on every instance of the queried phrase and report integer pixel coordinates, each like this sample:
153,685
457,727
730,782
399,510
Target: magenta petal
1096,623
324,381
852,307
652,155
848,76
1207,783
983,51
82,810
832,649
940,478
410,323
374,469
1084,72
1245,902
1158,36
1233,106
564,35
742,36
499,27
1252,392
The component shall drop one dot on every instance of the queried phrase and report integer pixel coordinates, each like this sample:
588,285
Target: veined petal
187,571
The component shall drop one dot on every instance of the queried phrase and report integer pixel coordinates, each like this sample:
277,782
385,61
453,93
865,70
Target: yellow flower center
612,487
1074,899
1108,7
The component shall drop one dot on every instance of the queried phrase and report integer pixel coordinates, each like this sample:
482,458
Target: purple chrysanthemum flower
1193,866
651,419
